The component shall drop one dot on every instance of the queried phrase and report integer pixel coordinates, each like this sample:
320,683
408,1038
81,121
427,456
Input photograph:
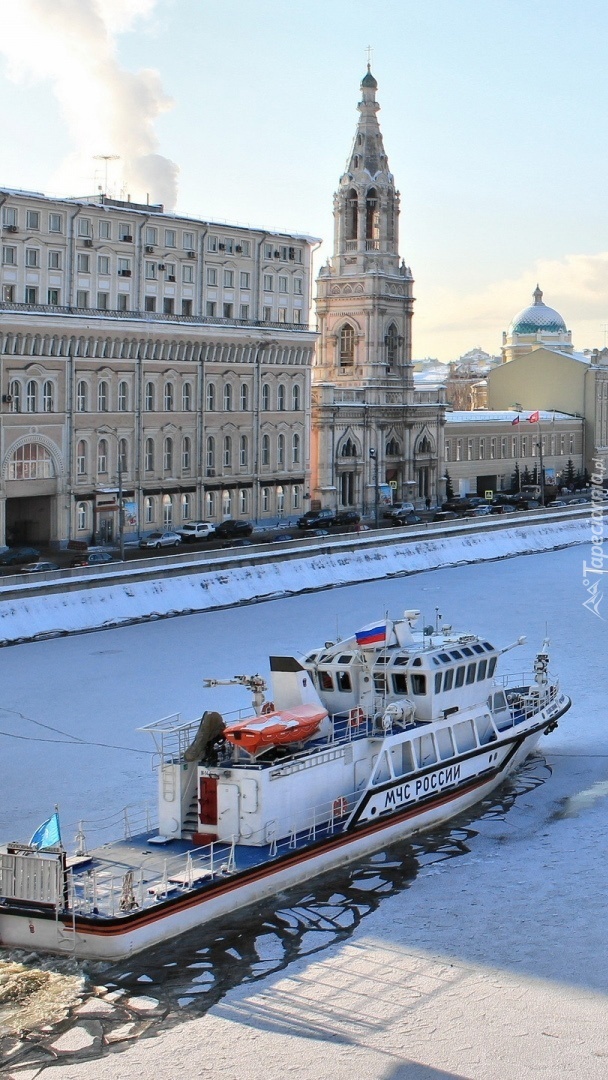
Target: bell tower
366,425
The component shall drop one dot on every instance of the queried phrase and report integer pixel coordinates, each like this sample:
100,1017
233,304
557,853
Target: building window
347,346
482,449
123,396
9,255
227,398
268,282
187,308
149,397
31,396
503,447
149,455
282,314
210,397
170,238
186,453
150,303
228,311
228,279
281,451
571,441
47,397
265,449
167,512
31,462
280,499
265,500
281,398
55,260
102,456
54,297
295,449
81,458
492,448
210,456
295,496
458,449
168,455
102,396
149,513
82,396
187,273
103,301
227,452
81,516
210,309
212,243
105,229
14,389
211,275
243,501
296,397
124,268
265,397
188,241
151,271
210,505
244,311
244,452
83,263
267,314
32,257
55,223
244,397
125,231
282,284
123,459
84,227
469,449
245,279
297,286
187,397
103,264
168,397
151,236
186,507
82,298
31,295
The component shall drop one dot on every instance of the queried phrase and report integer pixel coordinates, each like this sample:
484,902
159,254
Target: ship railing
526,697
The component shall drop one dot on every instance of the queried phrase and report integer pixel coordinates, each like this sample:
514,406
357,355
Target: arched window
243,501
295,496
187,397
186,453
244,451
281,451
210,456
31,396
265,499
47,396
281,398
347,346
226,503
149,455
123,396
349,449
392,343
296,397
265,397
149,510
14,389
82,396
186,506
265,449
168,397
372,215
424,446
102,396
81,516
168,455
393,448
244,397
31,462
81,458
227,452
149,397
167,512
210,397
351,215
102,456
123,456
227,398
280,499
210,505
295,449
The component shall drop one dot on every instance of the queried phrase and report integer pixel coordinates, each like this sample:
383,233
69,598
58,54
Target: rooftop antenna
106,158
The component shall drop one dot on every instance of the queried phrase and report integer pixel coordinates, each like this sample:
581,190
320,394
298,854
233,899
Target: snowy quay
84,599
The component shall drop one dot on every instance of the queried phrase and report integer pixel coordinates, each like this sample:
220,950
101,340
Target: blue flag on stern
48,834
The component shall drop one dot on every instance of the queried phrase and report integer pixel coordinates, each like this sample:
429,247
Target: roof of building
368,79
494,415
538,317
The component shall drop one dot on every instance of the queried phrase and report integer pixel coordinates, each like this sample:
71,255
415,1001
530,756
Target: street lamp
121,524
374,458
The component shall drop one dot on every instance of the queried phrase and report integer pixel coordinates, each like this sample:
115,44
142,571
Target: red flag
534,417
515,421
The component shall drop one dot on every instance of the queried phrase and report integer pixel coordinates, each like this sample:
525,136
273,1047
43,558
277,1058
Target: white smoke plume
108,110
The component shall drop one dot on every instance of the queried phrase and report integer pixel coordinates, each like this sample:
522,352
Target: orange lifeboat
276,728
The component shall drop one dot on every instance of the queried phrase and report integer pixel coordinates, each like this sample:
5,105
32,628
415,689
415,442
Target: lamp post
374,458
121,524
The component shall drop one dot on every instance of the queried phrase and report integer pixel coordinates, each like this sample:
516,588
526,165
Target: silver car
160,539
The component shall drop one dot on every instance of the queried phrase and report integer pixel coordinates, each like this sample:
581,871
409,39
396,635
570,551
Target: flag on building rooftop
515,421
48,834
534,417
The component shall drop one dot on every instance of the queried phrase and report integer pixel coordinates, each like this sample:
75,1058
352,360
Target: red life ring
267,708
340,807
356,717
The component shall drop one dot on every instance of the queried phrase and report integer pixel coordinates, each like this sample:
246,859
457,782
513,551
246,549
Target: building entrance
28,521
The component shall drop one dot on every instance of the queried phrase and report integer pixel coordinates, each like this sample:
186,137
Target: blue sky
493,115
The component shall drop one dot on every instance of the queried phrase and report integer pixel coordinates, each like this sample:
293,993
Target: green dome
537,318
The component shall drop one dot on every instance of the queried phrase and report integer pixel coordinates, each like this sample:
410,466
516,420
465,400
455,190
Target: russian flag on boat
374,634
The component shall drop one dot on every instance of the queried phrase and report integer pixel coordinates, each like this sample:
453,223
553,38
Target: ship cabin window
491,666
418,683
401,661
456,655
466,651
445,744
325,680
464,734
425,751
417,662
481,670
380,682
448,679
471,673
345,658
485,730
438,682
445,657
399,682
478,648
402,759
459,676
343,681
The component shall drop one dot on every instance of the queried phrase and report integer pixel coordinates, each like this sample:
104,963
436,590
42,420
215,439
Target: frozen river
479,953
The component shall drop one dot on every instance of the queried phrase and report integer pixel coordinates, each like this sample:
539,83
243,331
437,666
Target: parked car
445,515
316,532
477,500
196,530
399,517
558,502
457,506
502,508
398,508
231,529
478,511
38,567
407,519
92,558
313,518
240,542
17,555
347,517
160,539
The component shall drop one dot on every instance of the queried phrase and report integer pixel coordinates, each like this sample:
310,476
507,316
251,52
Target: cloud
107,110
